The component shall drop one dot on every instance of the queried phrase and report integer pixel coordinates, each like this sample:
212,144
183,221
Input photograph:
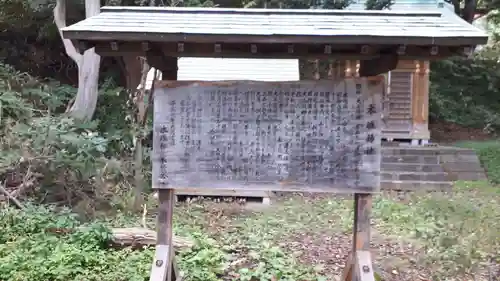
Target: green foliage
30,39
453,235
65,160
32,250
23,96
56,143
378,4
489,155
205,261
48,243
40,144
297,4
271,262
466,92
457,232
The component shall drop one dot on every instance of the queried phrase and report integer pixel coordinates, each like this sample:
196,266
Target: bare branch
60,21
10,197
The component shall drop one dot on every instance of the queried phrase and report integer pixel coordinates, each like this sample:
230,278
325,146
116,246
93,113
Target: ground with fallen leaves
428,236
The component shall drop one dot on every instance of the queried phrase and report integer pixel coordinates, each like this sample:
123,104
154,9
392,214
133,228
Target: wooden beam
181,49
405,65
238,50
162,37
166,64
380,65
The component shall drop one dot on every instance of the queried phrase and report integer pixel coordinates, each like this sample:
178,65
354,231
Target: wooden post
359,264
164,267
420,101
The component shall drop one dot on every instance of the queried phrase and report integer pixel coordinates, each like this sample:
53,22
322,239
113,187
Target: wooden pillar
351,68
359,264
170,70
420,101
345,69
338,71
167,65
164,265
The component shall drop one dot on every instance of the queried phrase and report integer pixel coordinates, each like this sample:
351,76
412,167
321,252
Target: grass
433,236
489,155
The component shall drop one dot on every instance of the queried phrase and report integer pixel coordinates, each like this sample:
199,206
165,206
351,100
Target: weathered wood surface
307,26
164,266
133,237
145,237
359,263
295,136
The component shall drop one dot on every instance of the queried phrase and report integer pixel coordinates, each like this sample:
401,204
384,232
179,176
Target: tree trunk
469,10
132,69
456,6
142,106
88,64
88,77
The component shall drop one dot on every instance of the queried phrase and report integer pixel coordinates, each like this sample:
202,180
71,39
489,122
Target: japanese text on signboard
310,136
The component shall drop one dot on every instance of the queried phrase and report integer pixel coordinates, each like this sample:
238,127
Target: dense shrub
53,156
466,92
43,243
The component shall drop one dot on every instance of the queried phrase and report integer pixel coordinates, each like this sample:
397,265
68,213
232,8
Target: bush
466,92
29,250
56,158
36,245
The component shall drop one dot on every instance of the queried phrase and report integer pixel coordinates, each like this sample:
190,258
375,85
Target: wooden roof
210,25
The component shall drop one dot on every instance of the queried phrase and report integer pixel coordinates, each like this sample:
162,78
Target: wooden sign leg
359,264
164,268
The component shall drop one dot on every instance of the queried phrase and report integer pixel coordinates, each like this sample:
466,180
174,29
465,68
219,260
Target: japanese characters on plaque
298,136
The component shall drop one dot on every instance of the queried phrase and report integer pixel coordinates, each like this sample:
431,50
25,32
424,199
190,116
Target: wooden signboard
295,136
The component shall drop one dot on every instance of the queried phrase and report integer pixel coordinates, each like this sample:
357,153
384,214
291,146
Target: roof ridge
191,10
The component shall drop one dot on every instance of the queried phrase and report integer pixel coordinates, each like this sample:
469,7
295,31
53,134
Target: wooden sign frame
303,136
359,264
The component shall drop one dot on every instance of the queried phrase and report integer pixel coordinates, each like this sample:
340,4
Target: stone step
416,185
463,167
402,97
449,152
467,176
410,159
406,167
395,114
428,163
415,176
456,158
396,131
398,118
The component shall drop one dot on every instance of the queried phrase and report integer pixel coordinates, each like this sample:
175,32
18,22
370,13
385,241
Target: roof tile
174,24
